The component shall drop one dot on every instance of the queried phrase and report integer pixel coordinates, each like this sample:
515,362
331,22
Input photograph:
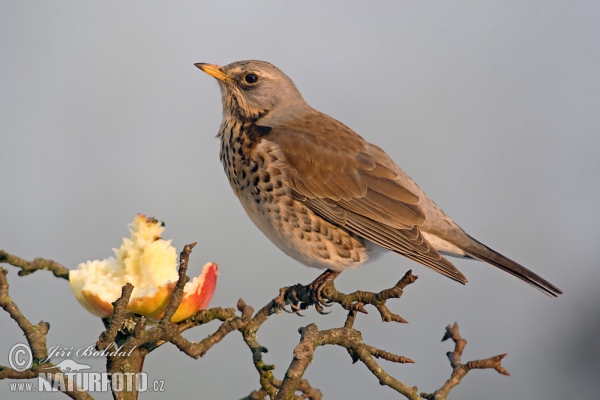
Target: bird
324,195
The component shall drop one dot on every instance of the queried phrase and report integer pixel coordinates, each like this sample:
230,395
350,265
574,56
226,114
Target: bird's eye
251,78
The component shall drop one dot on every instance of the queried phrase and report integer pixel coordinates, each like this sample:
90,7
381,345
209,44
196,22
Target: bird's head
257,91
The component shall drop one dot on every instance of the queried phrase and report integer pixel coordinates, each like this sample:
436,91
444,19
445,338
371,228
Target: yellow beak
213,70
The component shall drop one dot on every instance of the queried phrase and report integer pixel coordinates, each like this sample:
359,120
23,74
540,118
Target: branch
301,297
35,334
460,370
378,300
36,337
351,339
130,333
266,378
29,267
167,331
177,295
116,320
308,392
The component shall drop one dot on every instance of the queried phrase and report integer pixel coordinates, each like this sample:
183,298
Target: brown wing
333,173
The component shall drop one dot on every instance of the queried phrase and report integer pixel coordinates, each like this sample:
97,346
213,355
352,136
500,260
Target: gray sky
492,107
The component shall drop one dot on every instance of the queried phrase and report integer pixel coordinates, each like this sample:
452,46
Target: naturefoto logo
74,375
69,366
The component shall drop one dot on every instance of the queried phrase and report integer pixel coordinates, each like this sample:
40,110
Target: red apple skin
197,298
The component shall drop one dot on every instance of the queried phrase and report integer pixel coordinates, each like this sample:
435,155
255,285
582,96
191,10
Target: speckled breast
255,169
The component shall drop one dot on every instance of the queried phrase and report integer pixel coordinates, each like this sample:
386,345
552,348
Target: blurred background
492,107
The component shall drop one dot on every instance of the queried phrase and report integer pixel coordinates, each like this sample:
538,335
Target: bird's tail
481,252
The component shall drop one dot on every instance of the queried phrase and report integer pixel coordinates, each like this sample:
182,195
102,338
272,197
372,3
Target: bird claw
320,310
316,291
289,296
300,297
280,302
283,308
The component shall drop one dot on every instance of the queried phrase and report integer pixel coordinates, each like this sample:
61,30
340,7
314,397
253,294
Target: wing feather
391,189
335,176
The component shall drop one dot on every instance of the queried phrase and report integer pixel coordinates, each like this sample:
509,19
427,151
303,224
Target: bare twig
36,338
300,297
386,355
177,295
350,339
117,318
256,395
29,267
132,336
460,370
308,392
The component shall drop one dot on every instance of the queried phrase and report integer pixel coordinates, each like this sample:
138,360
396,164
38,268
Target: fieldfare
324,195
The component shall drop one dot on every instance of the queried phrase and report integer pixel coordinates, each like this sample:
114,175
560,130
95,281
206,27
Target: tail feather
482,252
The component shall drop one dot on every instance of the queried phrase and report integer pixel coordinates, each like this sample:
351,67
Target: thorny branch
132,334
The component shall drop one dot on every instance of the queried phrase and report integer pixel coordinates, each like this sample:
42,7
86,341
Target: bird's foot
316,290
289,295
300,297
